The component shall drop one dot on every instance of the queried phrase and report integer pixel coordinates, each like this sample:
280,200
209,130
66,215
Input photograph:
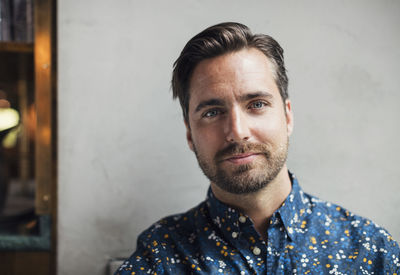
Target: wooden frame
16,47
45,19
45,95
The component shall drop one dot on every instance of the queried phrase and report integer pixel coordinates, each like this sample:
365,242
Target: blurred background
120,151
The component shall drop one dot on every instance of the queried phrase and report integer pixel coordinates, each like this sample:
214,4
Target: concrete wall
123,158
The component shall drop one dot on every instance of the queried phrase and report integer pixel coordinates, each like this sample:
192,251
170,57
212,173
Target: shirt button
256,251
242,219
234,235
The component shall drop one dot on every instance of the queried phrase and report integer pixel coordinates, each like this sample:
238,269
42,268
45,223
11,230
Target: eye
211,113
257,105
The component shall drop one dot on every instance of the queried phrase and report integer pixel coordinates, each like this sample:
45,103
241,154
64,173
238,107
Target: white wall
123,159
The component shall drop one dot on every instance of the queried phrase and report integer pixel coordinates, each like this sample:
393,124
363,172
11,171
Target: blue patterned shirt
305,236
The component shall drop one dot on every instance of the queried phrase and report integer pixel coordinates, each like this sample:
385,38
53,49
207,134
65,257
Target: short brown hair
218,40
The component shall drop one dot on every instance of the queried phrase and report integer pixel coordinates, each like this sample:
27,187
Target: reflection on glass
17,133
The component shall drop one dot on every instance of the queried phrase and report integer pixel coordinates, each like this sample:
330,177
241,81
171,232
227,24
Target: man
232,87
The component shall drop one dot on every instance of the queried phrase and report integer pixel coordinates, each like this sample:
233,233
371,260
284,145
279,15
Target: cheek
207,140
270,130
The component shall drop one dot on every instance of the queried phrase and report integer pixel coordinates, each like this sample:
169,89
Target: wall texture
123,158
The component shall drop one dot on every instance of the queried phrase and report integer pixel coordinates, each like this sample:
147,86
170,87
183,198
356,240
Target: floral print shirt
305,236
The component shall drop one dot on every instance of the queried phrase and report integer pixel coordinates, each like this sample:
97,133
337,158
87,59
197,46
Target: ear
289,116
189,136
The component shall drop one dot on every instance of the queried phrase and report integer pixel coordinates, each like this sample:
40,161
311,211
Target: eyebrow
210,102
220,102
249,96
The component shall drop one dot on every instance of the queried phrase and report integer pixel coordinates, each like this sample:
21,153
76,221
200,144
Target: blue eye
257,105
211,113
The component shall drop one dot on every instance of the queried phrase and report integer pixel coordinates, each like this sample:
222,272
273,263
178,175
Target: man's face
238,127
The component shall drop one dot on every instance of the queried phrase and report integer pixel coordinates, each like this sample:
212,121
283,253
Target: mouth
241,158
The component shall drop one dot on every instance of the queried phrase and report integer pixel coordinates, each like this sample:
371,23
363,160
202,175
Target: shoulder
157,245
344,222
172,228
352,235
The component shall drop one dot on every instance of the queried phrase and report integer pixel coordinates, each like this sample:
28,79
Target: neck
260,205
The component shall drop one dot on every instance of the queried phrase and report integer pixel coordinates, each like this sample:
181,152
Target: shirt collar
293,212
220,212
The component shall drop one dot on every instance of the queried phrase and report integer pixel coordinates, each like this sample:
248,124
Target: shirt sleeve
391,250
378,251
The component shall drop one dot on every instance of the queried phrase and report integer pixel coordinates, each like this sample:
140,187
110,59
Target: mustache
241,148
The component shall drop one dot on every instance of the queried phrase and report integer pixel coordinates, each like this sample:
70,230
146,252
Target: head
218,40
232,87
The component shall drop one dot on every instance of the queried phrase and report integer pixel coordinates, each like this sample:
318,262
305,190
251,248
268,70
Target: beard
245,178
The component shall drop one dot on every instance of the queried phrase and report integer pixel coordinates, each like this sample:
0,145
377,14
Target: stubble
246,178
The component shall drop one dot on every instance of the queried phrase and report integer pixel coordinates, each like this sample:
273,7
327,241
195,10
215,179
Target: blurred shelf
16,47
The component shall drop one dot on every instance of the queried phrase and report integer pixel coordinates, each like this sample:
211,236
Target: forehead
236,73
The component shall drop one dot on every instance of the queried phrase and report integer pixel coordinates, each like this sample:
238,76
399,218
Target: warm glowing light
9,118
10,140
45,136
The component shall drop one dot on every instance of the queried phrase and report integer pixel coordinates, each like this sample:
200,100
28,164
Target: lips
242,158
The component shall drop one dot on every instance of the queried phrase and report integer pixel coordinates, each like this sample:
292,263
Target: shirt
305,236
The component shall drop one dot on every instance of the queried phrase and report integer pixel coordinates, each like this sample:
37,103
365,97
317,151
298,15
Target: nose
236,126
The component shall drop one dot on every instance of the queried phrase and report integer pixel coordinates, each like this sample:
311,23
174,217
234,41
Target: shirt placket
276,246
249,244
